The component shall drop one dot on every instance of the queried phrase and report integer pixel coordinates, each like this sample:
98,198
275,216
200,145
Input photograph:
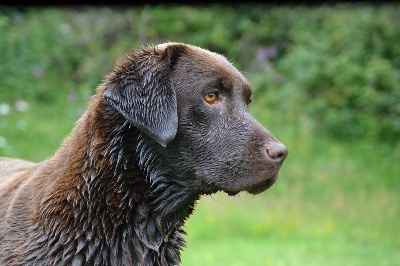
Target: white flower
21,105
4,109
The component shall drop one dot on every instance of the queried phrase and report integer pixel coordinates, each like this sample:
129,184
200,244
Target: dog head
192,104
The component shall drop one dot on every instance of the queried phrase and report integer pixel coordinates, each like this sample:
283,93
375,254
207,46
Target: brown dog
171,123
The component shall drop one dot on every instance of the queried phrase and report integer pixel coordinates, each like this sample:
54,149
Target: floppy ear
142,91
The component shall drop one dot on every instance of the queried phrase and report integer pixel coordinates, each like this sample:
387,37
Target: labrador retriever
169,124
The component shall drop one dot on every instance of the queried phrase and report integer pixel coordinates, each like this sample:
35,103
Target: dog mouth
261,187
256,188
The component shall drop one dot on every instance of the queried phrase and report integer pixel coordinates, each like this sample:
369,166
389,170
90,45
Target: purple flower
267,52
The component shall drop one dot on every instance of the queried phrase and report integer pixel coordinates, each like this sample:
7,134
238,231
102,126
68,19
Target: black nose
277,151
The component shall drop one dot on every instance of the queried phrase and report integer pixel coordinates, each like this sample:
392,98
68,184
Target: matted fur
121,186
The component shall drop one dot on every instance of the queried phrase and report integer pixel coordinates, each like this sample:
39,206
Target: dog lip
255,189
261,187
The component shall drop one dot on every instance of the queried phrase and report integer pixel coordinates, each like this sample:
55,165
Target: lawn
335,203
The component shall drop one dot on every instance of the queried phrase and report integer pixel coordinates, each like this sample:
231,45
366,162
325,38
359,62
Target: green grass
37,133
335,203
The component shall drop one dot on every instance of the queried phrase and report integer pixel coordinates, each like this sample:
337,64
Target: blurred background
326,82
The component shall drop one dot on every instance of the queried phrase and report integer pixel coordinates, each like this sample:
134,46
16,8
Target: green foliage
338,66
316,71
346,63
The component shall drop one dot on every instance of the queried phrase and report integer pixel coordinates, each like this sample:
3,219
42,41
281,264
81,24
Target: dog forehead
210,66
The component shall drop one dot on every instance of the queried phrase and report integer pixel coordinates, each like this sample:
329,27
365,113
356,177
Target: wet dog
169,124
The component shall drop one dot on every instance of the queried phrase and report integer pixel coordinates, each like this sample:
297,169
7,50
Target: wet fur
113,194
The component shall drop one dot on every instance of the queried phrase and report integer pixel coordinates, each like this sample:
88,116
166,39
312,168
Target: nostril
277,152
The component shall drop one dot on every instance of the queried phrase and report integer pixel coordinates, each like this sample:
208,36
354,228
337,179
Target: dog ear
142,91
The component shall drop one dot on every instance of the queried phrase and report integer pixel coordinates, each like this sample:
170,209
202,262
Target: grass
335,203
334,207
38,132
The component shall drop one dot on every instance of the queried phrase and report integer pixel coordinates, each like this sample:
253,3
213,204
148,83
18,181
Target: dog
169,124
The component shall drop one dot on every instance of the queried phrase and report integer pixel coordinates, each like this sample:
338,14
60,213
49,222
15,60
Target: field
334,204
337,201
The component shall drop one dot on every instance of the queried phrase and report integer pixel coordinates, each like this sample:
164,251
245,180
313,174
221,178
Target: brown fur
112,195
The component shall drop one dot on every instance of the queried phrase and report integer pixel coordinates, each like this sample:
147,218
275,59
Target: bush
338,66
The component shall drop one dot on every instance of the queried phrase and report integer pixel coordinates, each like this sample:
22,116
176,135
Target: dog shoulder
7,164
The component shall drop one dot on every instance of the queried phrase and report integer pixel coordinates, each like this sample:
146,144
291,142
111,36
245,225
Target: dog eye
211,97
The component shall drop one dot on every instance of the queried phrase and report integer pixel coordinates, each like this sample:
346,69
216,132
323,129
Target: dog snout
276,151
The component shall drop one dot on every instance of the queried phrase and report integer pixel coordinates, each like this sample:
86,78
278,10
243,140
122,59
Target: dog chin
261,187
255,189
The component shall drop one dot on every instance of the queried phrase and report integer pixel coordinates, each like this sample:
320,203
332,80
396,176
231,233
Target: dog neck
112,202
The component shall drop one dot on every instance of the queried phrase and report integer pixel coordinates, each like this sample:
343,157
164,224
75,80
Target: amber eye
211,97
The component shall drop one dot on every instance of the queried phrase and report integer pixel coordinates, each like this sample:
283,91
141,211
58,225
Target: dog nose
277,152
